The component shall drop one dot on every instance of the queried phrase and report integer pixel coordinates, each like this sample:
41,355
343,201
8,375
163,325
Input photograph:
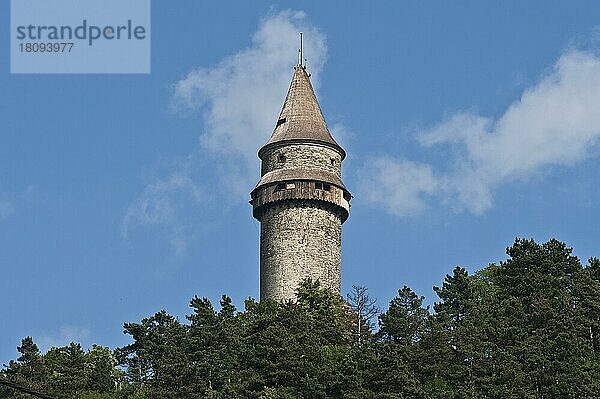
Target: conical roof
301,119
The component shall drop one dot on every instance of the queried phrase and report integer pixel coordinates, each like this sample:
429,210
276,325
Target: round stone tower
300,200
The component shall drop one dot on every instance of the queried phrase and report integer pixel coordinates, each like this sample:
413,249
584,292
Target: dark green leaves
528,327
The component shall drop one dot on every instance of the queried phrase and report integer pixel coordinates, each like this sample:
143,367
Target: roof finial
300,62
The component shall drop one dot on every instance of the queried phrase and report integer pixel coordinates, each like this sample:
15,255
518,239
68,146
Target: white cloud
160,204
155,205
399,186
65,336
342,134
242,95
554,123
6,209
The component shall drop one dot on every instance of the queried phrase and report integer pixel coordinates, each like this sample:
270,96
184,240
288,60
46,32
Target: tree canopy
527,327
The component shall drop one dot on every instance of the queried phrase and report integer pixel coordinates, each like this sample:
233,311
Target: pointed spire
301,118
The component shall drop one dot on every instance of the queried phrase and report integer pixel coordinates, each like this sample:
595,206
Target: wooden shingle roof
280,175
301,119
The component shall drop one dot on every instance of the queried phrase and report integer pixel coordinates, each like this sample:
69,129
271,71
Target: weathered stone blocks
305,156
298,240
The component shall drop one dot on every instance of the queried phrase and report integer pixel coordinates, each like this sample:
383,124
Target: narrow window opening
281,158
332,161
319,186
326,187
280,186
281,121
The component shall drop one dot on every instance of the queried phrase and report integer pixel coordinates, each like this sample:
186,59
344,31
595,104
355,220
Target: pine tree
100,370
28,370
66,367
157,361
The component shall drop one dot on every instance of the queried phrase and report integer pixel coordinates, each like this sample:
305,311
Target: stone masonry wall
298,240
305,156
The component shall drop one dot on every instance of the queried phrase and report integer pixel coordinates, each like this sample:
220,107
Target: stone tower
300,200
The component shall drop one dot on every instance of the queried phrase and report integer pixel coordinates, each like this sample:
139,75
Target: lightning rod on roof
300,61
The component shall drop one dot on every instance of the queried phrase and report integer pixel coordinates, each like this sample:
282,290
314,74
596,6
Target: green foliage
64,372
67,370
28,370
99,395
528,327
100,370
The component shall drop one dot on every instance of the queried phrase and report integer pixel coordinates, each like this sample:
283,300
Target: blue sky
466,125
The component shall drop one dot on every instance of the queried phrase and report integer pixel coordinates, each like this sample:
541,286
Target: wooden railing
299,190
